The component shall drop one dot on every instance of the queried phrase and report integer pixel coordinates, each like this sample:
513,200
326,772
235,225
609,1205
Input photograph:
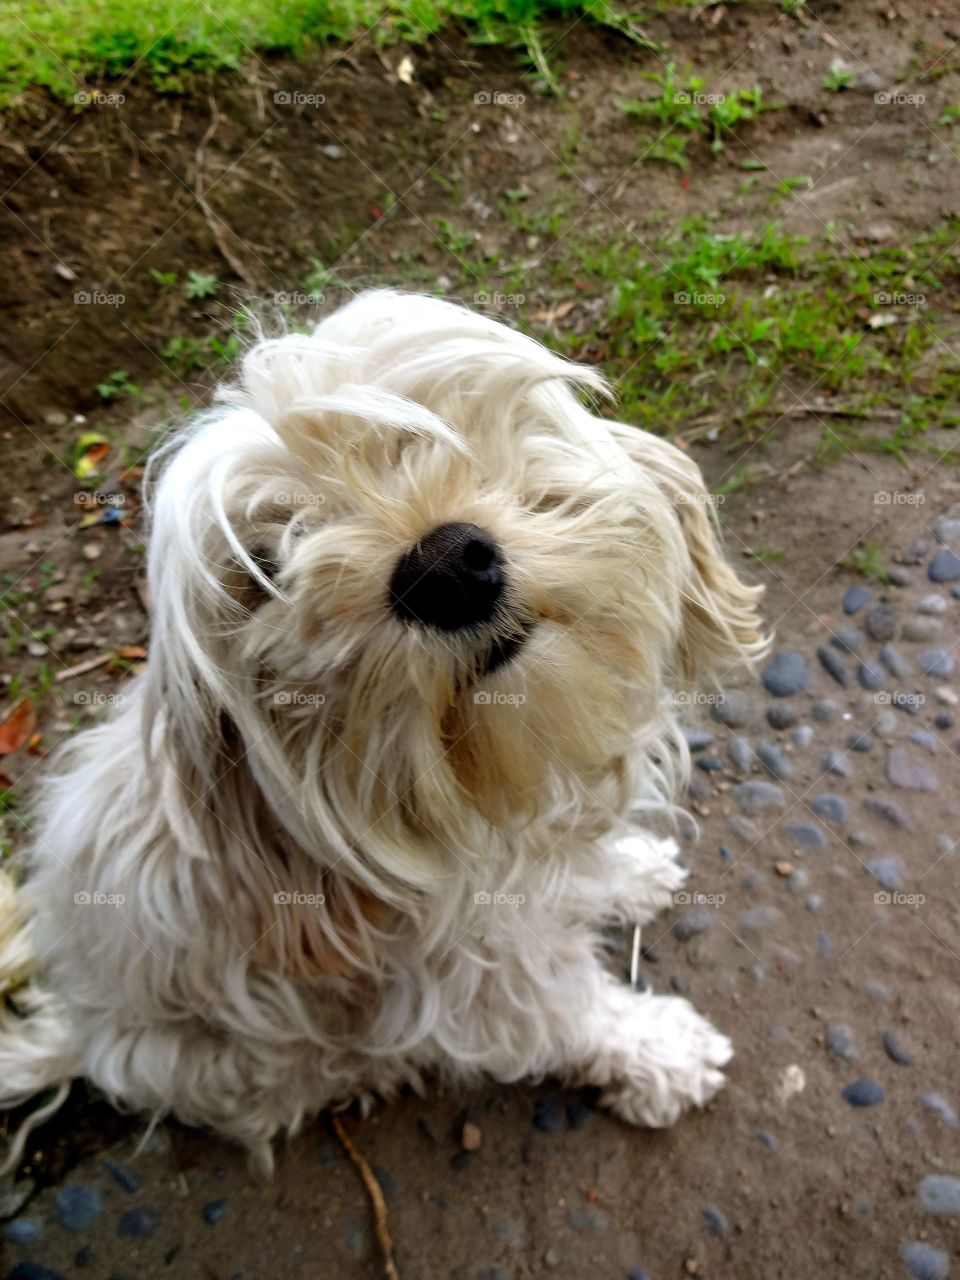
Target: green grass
62,45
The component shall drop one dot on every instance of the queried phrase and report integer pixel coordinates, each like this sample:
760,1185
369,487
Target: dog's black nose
451,579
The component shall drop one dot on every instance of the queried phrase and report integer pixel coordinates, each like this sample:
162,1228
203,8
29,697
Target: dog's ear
721,627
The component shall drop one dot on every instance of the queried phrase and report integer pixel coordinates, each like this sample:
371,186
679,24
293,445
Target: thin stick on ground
375,1192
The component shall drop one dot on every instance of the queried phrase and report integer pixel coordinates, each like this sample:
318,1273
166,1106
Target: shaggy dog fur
321,849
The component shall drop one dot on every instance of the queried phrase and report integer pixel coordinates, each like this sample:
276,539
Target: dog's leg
633,880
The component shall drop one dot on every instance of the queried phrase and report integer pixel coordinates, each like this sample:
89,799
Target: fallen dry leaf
17,727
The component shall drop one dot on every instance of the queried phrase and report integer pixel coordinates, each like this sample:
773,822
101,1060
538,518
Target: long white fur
291,736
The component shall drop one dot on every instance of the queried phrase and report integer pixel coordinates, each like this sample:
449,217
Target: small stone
934,604
946,695
78,1206
121,1175
944,720
825,710
946,527
678,983
807,835
787,674
709,764
741,756
894,661
214,1211
783,869
758,918
946,846
847,640
880,622
814,903
899,577
23,1231
940,1107
895,1050
726,853
717,1222
868,82
757,796
856,597
548,1115
888,872
940,1194
924,1262
766,1139
802,736
840,1041
836,762
859,742
799,880
917,553
332,151
910,703
885,724
889,811
863,1093
774,761
936,662
871,676
782,717
743,829
921,630
944,567
92,550
138,1224
909,774
832,664
876,991
691,923
471,1136
733,710
698,739
831,808
550,1258
14,1195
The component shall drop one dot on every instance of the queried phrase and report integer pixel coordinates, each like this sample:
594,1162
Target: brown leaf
17,727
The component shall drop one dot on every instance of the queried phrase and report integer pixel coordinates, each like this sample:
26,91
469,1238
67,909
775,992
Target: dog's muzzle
451,580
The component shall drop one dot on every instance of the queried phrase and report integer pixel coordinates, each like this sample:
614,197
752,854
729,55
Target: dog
422,622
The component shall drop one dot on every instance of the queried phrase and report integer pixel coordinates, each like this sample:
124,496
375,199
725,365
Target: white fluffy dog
420,620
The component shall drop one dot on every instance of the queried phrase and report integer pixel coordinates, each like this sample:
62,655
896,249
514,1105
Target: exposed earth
826,941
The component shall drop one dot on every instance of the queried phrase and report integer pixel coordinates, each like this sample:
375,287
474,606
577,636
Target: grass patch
62,45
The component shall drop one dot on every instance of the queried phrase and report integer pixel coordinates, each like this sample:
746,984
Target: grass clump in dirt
64,45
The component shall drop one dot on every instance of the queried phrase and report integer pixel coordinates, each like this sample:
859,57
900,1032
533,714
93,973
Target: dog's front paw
648,878
672,1061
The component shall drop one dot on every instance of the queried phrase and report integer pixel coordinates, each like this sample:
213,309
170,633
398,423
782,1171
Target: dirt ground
762,1184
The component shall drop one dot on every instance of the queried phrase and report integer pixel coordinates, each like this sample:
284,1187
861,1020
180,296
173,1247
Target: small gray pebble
859,742
924,1261
888,872
709,763
691,923
23,1231
871,676
893,1048
831,808
944,720
774,761
880,622
798,880
921,630
825,710
941,1107
786,674
855,598
743,828
733,710
907,773
782,717
741,756
814,902
833,665
889,811
756,796
717,1222
863,1093
944,567
876,991
840,1041
946,845
697,739
835,762
936,662
807,835
78,1206
885,724
802,735
924,738
935,604
940,1194
847,640
894,661
766,1139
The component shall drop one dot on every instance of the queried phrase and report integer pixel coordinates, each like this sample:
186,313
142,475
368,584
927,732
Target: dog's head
423,592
